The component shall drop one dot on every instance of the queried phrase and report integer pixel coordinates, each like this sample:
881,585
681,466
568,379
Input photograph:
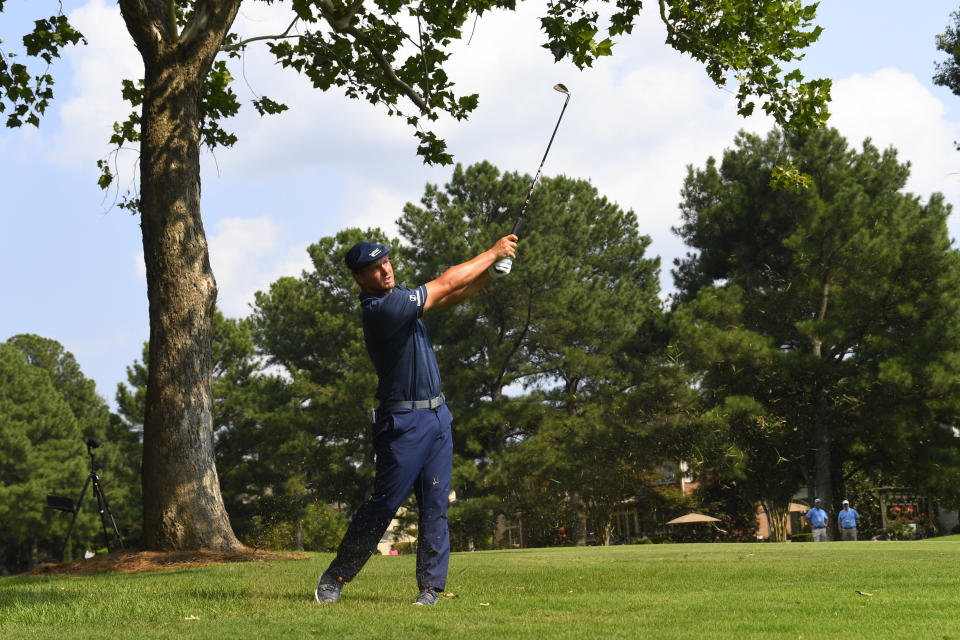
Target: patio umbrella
801,508
693,517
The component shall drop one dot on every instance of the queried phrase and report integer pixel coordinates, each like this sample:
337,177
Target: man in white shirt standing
847,519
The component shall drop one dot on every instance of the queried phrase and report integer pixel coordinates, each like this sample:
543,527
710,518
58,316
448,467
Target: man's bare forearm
459,295
463,280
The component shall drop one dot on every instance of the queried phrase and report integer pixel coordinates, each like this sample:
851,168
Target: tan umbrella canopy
796,506
693,517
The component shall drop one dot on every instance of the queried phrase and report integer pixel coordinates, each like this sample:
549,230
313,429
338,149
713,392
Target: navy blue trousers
414,449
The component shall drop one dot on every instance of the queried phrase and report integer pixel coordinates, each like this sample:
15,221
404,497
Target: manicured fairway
648,591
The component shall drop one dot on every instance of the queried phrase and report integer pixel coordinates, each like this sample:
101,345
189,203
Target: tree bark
777,516
580,510
298,534
500,531
822,465
182,504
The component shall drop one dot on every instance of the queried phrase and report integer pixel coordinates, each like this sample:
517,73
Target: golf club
502,267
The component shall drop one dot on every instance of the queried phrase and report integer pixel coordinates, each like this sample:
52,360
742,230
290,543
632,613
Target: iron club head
561,88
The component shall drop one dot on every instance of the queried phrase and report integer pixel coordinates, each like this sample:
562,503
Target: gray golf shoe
328,592
427,597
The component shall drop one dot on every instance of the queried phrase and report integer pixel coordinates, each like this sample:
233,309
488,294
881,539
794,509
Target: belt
432,403
819,527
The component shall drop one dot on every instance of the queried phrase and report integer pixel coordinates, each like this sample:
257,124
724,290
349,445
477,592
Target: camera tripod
67,504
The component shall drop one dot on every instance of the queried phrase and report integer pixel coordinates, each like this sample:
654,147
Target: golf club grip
516,225
526,203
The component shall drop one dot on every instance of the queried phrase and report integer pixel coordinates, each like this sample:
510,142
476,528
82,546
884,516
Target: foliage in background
948,71
320,529
823,323
48,410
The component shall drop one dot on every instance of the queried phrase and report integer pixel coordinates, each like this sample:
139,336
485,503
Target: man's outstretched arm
463,280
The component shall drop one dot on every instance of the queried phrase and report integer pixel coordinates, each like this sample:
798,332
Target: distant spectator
818,521
847,519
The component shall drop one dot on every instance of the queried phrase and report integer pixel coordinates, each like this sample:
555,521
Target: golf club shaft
503,266
536,178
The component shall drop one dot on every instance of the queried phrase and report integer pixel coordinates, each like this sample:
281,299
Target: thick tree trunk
182,505
298,534
822,465
580,513
500,532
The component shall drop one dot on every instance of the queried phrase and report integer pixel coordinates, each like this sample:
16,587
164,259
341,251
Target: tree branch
142,24
208,26
387,69
670,26
340,22
243,43
201,14
172,20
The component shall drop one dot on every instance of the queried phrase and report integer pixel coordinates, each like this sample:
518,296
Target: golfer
411,426
818,521
847,519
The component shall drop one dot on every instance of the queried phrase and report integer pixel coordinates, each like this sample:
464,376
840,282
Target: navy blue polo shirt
399,346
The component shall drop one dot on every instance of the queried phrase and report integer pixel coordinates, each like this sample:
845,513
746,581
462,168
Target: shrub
900,529
271,534
323,528
404,547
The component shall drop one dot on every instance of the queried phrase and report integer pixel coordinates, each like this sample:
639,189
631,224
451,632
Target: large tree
825,320
357,46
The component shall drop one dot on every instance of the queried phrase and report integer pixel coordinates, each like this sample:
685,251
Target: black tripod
66,504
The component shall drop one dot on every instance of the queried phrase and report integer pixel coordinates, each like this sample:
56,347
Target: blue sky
71,264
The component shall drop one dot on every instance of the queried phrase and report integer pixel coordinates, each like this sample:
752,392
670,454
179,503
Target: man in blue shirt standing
847,519
411,426
818,521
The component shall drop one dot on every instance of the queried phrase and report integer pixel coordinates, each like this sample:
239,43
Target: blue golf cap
364,253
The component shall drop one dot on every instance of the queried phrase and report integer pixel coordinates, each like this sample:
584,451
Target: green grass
645,591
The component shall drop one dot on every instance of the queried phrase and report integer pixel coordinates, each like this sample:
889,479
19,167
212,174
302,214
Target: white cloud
95,104
894,108
246,256
376,206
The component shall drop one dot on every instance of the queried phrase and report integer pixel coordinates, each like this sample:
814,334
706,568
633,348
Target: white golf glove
500,267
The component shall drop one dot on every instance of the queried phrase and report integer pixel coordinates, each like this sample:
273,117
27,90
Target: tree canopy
823,322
